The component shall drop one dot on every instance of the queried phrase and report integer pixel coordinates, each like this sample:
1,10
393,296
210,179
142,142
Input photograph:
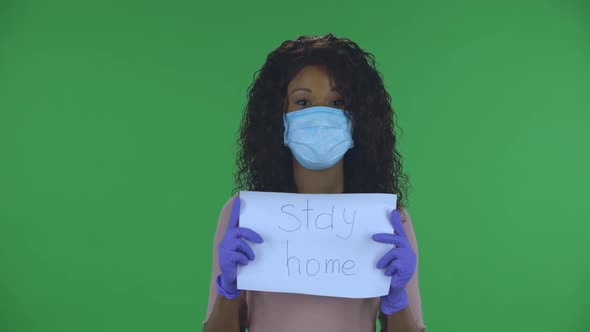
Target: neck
325,181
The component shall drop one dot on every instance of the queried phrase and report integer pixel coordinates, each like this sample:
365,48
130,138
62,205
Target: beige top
286,312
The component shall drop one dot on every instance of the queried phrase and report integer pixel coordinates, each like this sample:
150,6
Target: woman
306,86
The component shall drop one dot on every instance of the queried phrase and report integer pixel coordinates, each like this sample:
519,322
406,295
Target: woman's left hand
399,263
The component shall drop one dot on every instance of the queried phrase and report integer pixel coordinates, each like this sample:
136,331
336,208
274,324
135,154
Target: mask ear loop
351,124
286,129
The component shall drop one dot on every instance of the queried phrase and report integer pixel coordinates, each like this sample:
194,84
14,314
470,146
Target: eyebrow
308,90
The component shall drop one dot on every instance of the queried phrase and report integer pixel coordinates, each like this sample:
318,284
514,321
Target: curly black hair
373,165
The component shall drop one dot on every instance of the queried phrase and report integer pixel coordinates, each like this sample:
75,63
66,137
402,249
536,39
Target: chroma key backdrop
118,127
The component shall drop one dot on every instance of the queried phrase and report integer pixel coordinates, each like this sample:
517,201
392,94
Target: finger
235,213
401,277
238,258
390,239
387,258
396,222
392,269
243,247
396,281
248,234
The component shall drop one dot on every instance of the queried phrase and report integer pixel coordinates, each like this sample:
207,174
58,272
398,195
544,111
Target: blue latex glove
399,263
233,250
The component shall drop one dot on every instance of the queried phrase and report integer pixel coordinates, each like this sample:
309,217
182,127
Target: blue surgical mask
318,136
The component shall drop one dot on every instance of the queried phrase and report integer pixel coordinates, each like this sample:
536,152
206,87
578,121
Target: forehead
312,75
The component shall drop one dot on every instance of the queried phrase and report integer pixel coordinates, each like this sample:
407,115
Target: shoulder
407,222
225,213
228,204
405,215
409,228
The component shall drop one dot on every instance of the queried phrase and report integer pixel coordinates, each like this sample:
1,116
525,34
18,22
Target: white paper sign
318,244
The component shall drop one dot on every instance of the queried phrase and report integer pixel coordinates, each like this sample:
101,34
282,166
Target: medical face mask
318,136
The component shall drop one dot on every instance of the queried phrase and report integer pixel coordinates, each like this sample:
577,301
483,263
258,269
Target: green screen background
118,122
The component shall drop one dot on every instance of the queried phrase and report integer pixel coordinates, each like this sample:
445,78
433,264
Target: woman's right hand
234,250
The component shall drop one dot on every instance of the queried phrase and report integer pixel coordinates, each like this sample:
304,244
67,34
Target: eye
338,102
297,102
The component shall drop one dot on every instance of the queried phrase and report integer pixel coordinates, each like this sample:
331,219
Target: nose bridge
324,96
323,100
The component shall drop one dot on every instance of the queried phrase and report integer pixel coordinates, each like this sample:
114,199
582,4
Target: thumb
396,222
235,213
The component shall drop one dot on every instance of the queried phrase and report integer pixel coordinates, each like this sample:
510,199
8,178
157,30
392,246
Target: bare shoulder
225,213
229,203
405,215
